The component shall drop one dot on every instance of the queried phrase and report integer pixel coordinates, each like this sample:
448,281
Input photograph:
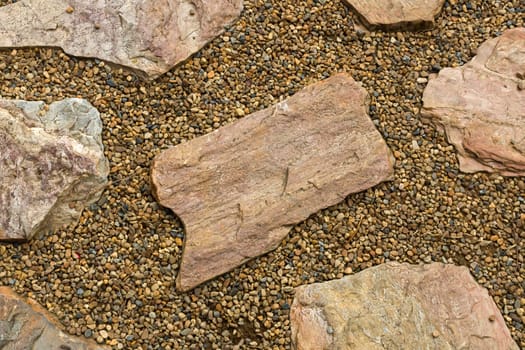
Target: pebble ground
111,278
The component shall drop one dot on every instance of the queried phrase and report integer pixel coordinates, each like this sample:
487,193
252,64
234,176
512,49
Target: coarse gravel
112,276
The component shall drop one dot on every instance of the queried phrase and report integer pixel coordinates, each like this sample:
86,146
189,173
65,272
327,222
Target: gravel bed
112,276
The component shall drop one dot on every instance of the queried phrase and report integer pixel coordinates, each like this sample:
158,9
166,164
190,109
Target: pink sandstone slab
240,189
398,306
150,37
52,165
26,325
397,14
481,106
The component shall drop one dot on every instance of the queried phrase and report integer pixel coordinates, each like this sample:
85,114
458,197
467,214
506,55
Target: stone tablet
150,37
397,14
399,306
52,165
481,106
240,189
26,325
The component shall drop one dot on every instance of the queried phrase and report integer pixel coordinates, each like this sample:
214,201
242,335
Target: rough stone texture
148,36
397,14
399,306
26,325
239,190
52,165
481,106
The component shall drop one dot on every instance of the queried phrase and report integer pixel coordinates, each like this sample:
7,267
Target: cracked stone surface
148,36
52,165
481,106
399,306
240,189
397,14
26,325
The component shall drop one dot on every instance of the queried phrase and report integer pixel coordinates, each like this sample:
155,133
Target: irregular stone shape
399,306
26,325
148,36
239,189
52,165
397,14
481,106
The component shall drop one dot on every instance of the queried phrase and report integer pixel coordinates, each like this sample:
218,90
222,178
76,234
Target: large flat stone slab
399,306
26,325
397,14
481,106
240,189
150,37
52,165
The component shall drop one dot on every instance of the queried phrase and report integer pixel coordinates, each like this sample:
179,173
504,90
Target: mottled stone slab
148,36
52,165
26,325
481,106
399,306
397,14
240,189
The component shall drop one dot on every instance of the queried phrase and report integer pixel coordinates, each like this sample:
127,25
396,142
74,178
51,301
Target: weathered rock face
26,325
52,165
481,106
148,36
397,14
399,306
239,190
